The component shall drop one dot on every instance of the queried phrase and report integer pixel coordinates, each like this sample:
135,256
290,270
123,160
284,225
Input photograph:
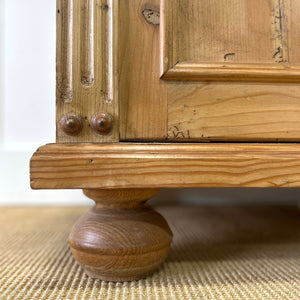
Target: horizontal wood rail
130,165
233,72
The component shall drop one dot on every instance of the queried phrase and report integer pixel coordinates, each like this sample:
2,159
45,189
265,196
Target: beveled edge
130,165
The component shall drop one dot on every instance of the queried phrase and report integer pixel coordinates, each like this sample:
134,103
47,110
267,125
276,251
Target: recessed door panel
232,69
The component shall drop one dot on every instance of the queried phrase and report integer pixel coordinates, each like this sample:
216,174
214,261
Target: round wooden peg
71,124
102,123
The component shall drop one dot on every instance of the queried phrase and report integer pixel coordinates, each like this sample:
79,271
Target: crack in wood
279,32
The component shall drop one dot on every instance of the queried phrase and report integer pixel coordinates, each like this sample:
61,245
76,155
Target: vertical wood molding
107,56
87,42
166,57
87,66
64,48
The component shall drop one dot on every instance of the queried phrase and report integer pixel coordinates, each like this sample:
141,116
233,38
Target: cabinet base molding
121,238
149,165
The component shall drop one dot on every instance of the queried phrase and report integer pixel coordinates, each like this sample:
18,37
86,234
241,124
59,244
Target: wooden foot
121,238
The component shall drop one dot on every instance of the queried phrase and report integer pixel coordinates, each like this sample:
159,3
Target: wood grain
61,166
64,47
281,16
240,40
293,31
121,238
233,112
233,72
87,64
143,101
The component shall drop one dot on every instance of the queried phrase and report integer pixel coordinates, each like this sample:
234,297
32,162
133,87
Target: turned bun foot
121,238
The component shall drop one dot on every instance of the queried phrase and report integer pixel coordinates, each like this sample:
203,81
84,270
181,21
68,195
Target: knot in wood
151,16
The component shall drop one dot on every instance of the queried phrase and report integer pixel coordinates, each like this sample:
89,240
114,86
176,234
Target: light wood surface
121,238
87,66
110,55
239,112
125,72
143,98
293,33
61,166
231,41
233,72
237,40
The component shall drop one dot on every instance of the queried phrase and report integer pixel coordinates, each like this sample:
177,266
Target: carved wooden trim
173,68
122,165
233,72
64,50
108,50
87,65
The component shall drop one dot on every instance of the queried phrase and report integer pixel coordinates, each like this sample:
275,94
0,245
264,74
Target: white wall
29,73
27,113
2,37
27,93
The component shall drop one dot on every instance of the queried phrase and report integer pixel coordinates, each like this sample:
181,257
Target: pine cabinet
167,93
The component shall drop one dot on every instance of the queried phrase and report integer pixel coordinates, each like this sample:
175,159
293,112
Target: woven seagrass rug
217,253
